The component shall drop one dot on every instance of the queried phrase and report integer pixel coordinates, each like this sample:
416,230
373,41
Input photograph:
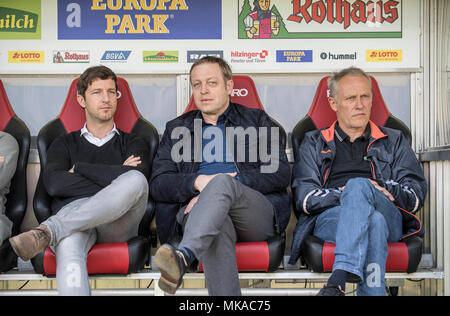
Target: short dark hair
91,74
227,74
351,71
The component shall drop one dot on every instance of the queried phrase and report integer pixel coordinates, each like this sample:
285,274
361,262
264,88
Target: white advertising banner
167,36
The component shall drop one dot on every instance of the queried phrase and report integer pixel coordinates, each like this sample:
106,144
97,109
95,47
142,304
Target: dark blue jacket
171,184
394,166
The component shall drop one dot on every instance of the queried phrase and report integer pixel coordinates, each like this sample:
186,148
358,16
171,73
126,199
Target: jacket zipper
405,211
235,164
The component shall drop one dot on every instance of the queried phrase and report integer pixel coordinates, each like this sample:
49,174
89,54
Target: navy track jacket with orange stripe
394,166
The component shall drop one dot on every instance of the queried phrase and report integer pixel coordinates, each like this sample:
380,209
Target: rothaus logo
252,145
345,12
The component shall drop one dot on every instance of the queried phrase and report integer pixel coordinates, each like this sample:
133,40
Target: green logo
12,20
157,56
20,19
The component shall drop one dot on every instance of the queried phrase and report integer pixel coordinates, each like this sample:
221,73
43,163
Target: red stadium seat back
323,116
244,93
320,114
6,111
73,117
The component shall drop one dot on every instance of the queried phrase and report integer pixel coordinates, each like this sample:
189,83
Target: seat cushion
114,258
403,256
265,256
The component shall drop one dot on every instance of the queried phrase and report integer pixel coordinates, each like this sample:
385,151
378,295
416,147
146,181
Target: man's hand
202,180
132,161
72,169
383,190
191,204
2,158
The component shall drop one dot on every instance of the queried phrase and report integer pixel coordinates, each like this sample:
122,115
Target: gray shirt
9,152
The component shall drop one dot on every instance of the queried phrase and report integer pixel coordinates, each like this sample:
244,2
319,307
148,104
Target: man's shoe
8,257
29,244
331,290
172,265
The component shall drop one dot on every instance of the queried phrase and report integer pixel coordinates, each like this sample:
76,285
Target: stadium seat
253,256
403,256
17,199
117,258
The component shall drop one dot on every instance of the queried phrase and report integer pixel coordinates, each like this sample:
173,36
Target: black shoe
331,290
172,265
8,257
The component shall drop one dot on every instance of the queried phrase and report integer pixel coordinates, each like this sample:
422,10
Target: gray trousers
9,150
226,212
110,216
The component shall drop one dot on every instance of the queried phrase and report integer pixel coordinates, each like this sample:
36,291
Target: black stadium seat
114,258
17,199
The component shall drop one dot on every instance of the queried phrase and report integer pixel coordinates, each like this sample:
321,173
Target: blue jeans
361,228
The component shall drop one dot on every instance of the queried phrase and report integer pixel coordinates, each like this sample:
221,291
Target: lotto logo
18,57
384,55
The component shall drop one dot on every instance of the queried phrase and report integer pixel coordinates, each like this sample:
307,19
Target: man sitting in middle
224,196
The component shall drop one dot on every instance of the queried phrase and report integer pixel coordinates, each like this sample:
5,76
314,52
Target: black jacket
171,182
394,166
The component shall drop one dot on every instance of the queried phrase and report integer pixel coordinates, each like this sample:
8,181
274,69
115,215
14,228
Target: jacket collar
231,115
375,132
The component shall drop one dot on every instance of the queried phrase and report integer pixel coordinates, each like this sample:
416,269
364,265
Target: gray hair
351,71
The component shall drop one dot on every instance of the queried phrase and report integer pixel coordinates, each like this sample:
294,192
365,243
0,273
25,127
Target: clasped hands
381,189
199,184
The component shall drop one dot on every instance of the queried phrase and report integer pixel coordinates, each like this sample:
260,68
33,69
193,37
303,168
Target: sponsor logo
194,55
17,21
338,56
71,57
157,56
249,57
138,19
320,19
20,19
239,93
345,13
120,56
26,57
294,56
384,55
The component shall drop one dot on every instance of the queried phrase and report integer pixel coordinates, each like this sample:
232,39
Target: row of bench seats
130,257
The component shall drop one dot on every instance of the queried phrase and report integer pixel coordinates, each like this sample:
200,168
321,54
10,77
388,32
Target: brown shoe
172,265
29,244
